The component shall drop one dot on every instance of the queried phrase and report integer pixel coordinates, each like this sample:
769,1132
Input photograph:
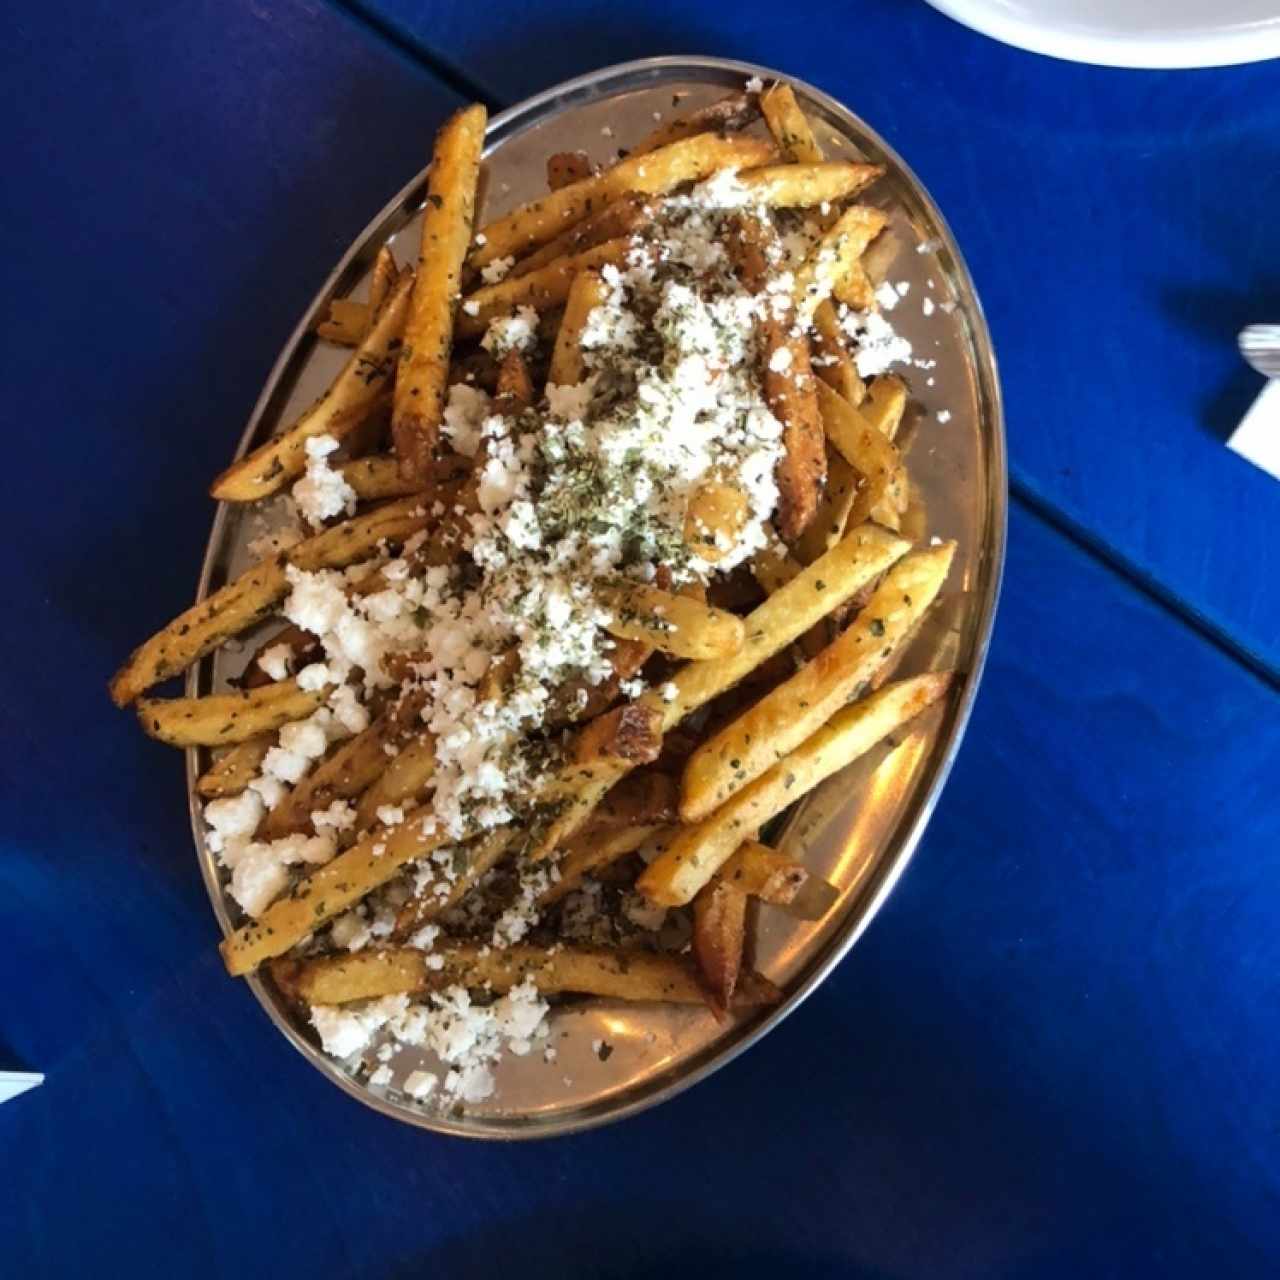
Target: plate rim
1190,49
921,803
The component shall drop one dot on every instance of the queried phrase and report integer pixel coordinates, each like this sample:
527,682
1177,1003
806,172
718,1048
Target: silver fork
1260,346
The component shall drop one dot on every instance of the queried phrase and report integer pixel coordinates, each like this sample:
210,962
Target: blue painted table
1054,1054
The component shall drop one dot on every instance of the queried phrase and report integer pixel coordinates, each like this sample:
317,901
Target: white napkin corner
1257,438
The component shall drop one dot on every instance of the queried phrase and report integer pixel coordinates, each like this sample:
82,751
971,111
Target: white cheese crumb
755,85
493,272
887,296
481,238
420,1084
780,360
322,493
471,308
606,132
390,815
275,661
345,1031
944,415
926,305
515,332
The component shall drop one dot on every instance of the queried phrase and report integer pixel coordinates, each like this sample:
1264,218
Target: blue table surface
1053,1054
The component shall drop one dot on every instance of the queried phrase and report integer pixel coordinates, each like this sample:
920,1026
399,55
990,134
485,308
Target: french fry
855,289
774,566
863,555
885,404
329,891
580,700
628,733
447,220
471,863
376,477
790,389
797,708
220,719
714,519
832,362
404,778
795,186
727,115
590,852
834,508
677,625
719,938
345,773
346,322
834,256
764,873
699,851
619,975
384,277
585,294
232,771
690,159
355,396
542,289
299,644
863,446
645,798
788,125
624,217
567,167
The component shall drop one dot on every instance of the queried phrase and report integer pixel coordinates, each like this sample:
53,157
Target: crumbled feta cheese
926,305
390,815
322,493
493,272
420,1084
944,416
345,1030
275,661
780,360
515,332
755,85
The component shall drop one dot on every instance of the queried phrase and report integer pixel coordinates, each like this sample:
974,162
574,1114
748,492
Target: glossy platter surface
857,831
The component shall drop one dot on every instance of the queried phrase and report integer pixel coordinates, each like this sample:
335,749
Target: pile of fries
738,659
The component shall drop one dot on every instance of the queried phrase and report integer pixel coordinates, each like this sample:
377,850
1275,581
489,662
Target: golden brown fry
591,852
728,115
861,557
868,450
404,778
300,644
673,624
377,477
469,865
643,799
794,186
832,517
834,256
567,167
219,719
714,519
832,362
885,404
623,218
719,938
355,396
384,277
791,391
688,160
698,852
855,289
630,733
447,221
232,771
774,566
542,289
585,294
788,125
764,873
798,707
346,322
620,975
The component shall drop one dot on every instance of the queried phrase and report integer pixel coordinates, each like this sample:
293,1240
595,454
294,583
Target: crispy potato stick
344,773
590,852
832,517
250,597
855,289
885,404
542,289
676,625
223,718
623,218
690,159
447,220
832,362
298,642
631,732
585,294
567,167
383,278
567,704
719,938
377,476
328,892
404,777
699,851
232,772
794,186
788,124
714,519
834,256
763,873
470,865
774,566
356,394
645,798
798,707
620,975
514,390
728,115
861,557
346,323
867,449
790,389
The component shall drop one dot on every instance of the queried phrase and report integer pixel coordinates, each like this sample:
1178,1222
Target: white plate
1130,33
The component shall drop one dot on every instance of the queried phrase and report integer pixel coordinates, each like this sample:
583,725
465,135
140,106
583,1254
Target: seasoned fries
595,572
446,231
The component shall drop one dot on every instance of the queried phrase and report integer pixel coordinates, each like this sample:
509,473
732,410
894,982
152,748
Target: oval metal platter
860,829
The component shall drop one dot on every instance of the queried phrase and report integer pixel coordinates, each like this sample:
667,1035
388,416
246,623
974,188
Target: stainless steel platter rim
892,864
